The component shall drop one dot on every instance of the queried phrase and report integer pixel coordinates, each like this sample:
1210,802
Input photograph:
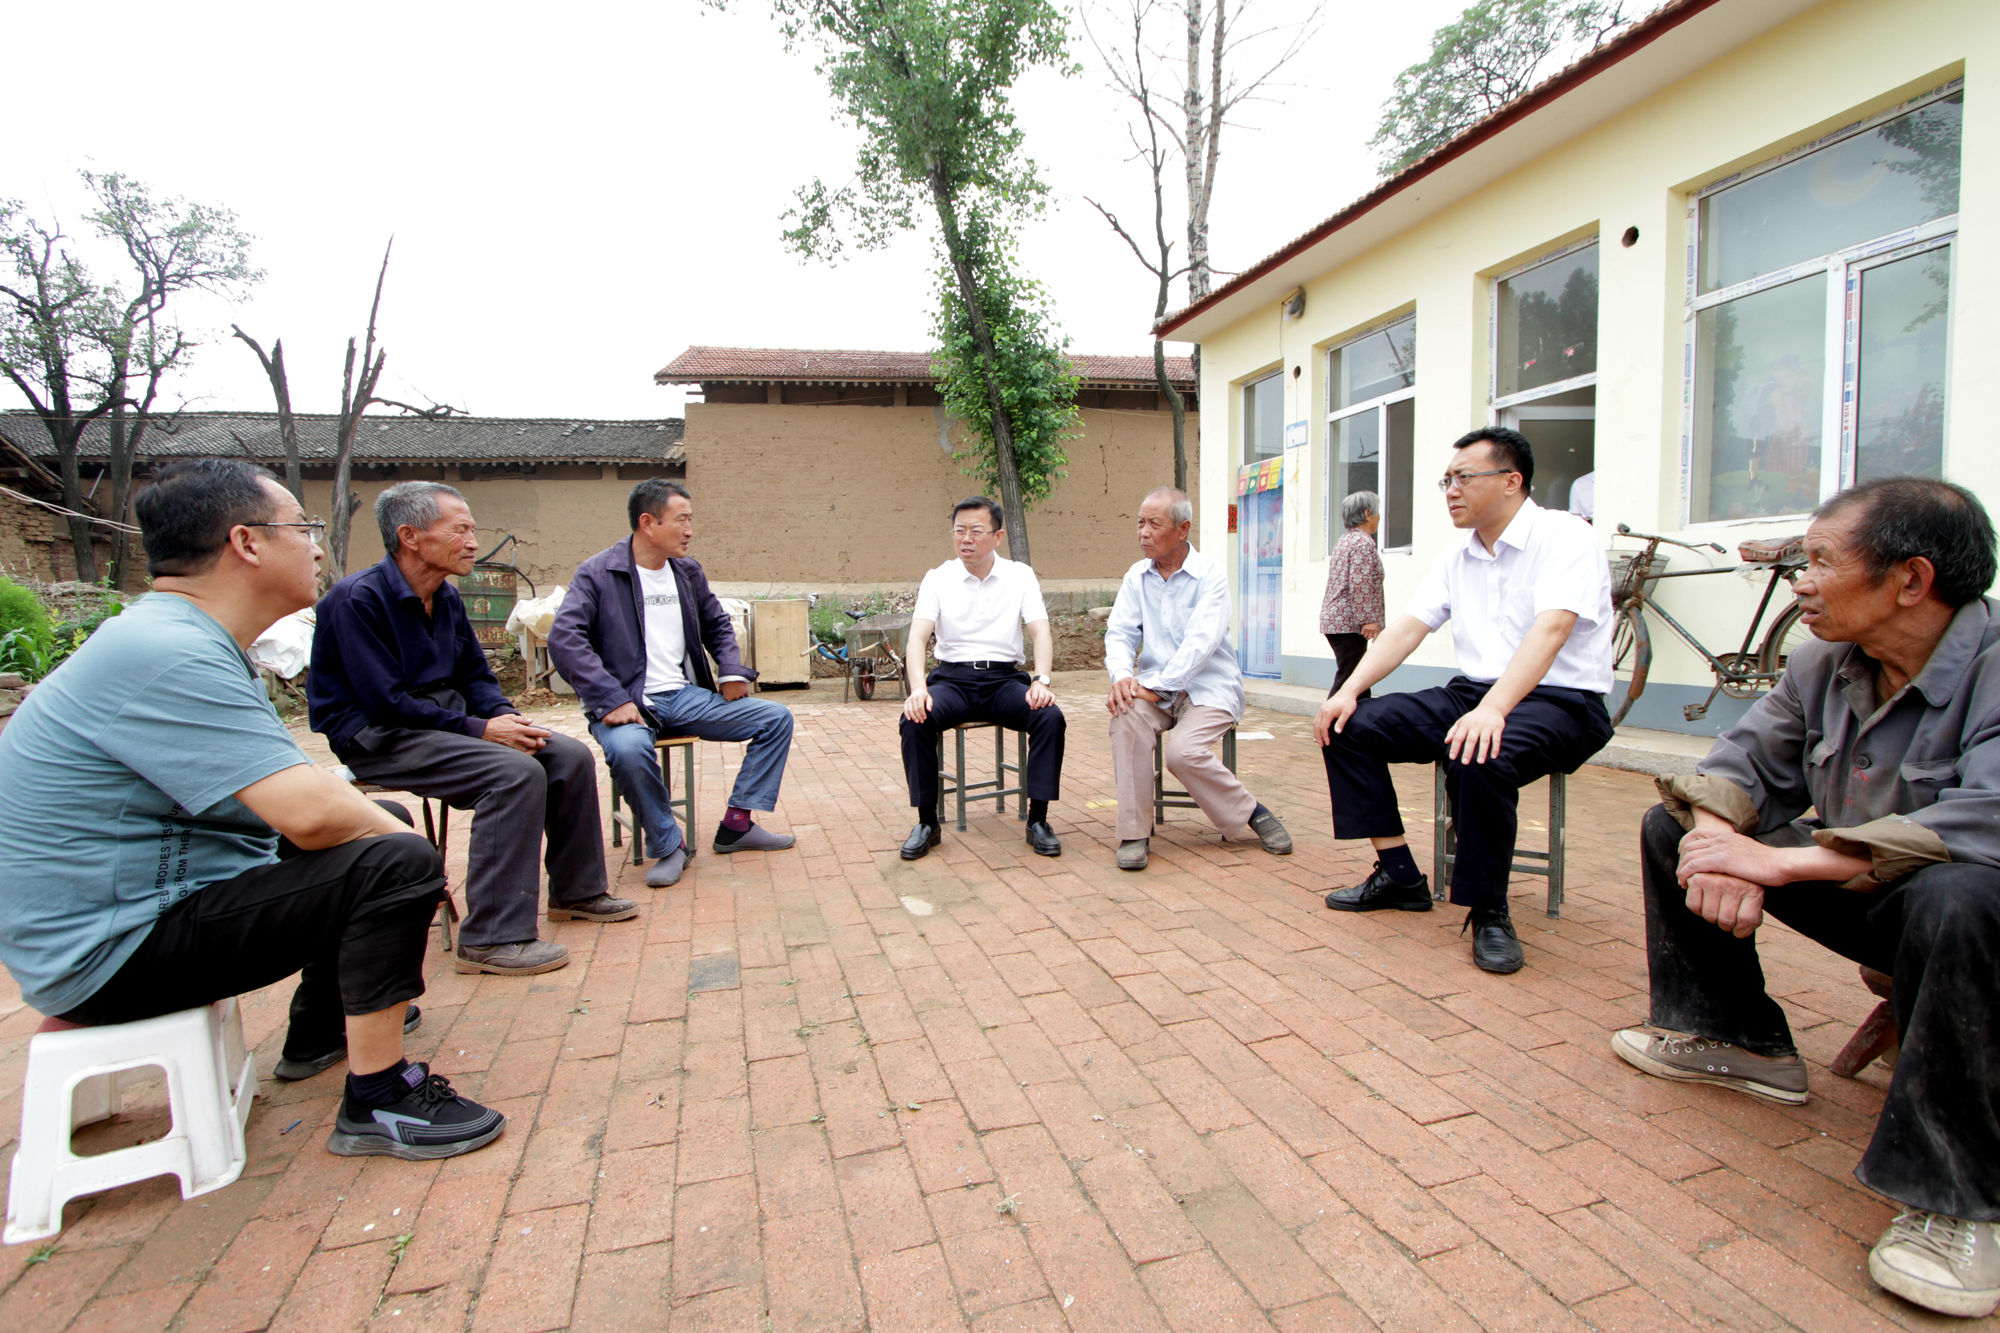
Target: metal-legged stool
952,781
1444,843
1167,798
622,820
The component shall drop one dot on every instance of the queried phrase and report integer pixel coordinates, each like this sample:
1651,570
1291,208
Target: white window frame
1495,403
1841,270
1243,454
1330,504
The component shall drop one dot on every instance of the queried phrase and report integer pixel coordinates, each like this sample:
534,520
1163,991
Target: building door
1565,441
1260,561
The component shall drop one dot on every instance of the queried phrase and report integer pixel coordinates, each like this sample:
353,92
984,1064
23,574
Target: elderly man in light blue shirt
1174,677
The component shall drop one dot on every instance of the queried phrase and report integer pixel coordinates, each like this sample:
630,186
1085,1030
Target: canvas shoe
1133,853
1778,1078
1946,1264
427,1121
1270,833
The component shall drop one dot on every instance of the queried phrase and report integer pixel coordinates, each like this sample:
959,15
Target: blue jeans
693,711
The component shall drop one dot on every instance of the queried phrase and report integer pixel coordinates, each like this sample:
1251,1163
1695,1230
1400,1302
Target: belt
986,666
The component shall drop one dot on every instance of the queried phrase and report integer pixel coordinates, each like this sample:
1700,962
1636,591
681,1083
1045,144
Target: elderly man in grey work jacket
1859,803
1173,674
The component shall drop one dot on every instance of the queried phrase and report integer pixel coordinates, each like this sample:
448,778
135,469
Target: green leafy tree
1038,384
83,349
1496,51
927,83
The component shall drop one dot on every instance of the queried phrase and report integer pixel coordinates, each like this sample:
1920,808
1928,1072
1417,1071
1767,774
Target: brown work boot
521,958
1778,1078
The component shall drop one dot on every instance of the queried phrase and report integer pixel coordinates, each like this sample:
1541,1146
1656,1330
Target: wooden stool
1876,1038
1444,840
622,820
952,780
1167,798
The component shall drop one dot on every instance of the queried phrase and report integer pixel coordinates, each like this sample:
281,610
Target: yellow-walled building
1715,271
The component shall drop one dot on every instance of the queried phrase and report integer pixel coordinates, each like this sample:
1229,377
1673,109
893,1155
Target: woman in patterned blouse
1351,615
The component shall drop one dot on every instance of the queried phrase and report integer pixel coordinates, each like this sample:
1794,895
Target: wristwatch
1041,680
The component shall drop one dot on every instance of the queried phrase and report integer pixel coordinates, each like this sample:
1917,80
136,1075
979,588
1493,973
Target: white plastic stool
75,1077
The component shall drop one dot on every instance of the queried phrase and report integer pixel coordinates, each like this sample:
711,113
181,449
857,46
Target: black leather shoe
1495,946
1379,891
1043,838
922,838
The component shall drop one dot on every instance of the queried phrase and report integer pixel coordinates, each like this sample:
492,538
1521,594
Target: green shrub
27,638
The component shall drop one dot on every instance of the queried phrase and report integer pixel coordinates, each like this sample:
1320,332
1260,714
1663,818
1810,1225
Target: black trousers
962,693
352,918
1552,730
515,799
1348,650
1937,932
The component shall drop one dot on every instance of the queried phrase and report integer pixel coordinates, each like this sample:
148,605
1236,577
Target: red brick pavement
995,1091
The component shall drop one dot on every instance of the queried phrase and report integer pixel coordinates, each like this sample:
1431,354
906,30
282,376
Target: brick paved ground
827,1090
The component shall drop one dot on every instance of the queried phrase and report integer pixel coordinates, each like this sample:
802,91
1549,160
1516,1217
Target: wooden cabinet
779,641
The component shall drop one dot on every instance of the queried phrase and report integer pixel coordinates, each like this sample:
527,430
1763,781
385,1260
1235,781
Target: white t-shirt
979,620
1544,561
666,636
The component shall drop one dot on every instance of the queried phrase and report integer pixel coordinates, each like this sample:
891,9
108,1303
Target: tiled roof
381,439
793,365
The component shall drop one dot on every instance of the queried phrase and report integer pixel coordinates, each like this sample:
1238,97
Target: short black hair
1906,517
1510,449
650,497
991,507
186,515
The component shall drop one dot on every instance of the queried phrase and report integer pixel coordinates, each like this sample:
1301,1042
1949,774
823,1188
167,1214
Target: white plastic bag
537,614
286,647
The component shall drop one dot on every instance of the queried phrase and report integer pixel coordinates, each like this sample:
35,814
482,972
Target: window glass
1547,323
1401,452
1380,363
1901,173
1264,418
1357,462
1760,393
1899,422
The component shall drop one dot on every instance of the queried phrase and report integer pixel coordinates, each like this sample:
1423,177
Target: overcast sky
577,196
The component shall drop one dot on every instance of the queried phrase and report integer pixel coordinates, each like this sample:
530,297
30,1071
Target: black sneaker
429,1120
292,1068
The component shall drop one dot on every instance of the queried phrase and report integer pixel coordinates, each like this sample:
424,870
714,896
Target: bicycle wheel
1631,654
1787,633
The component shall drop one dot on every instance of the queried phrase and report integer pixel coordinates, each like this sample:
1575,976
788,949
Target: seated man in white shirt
1528,594
976,605
1173,672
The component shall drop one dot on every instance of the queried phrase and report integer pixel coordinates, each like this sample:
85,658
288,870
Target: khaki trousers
1188,749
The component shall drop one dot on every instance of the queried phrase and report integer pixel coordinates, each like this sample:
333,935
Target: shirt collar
1948,662
1190,566
398,587
974,579
1519,529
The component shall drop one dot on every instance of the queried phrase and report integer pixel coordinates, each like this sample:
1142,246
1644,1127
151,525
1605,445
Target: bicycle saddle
1773,551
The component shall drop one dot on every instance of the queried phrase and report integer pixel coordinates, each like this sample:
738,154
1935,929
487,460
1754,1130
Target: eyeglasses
972,533
1458,479
315,527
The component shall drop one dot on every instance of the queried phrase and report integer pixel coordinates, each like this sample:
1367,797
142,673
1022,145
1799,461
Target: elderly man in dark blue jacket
634,636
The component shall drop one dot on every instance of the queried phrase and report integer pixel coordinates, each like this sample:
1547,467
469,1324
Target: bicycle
1739,675
860,668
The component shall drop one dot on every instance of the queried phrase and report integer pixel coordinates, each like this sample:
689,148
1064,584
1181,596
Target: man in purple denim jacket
634,636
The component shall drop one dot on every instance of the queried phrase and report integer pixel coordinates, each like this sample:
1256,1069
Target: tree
83,350
356,397
1183,99
1496,51
927,84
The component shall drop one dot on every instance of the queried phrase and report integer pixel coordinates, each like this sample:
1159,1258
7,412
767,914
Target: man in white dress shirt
1174,674
977,605
1528,594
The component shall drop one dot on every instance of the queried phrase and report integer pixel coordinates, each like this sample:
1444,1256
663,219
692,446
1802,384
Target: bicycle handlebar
1624,531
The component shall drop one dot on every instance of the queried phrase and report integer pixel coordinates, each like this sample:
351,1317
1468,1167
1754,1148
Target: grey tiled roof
387,438
774,365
